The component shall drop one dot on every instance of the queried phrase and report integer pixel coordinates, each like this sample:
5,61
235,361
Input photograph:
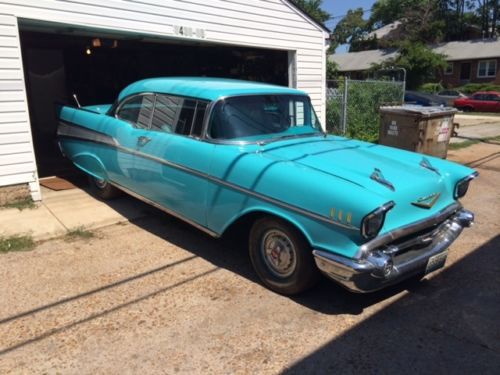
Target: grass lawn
459,145
493,114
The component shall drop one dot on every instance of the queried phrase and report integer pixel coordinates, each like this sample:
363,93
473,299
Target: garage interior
61,60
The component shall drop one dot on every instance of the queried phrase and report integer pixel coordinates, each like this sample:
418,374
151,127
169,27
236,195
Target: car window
178,115
137,110
186,116
166,113
478,97
491,97
201,108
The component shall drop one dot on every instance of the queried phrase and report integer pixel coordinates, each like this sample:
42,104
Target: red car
484,101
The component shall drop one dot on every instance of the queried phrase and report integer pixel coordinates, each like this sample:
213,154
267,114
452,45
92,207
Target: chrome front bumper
398,259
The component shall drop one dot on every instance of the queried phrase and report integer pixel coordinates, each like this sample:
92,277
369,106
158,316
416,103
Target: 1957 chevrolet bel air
216,152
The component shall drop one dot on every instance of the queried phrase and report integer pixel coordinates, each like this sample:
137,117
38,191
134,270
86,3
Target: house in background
472,61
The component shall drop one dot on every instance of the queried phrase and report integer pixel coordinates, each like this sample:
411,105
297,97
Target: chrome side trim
70,130
238,188
213,179
417,226
162,208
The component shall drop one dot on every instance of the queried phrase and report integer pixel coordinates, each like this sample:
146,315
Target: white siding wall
17,161
258,23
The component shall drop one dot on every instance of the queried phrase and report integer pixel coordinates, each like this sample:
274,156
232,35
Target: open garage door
59,61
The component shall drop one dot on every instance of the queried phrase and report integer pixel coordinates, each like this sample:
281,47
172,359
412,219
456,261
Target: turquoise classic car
218,152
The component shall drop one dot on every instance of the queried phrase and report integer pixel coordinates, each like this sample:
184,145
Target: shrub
471,88
364,101
431,88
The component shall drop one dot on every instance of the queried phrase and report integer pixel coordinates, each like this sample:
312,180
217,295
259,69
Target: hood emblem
379,177
428,201
425,163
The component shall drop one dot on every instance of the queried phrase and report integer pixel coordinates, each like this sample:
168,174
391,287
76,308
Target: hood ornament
428,201
379,177
425,163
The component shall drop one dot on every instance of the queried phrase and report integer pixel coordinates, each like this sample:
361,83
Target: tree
385,12
313,9
351,28
332,69
488,11
420,62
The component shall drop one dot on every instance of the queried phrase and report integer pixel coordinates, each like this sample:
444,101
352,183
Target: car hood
356,162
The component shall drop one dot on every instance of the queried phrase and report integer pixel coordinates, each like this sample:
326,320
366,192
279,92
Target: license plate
435,262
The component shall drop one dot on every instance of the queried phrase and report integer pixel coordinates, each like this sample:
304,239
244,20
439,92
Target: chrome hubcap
279,253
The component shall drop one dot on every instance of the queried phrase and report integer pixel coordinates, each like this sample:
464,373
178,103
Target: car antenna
76,101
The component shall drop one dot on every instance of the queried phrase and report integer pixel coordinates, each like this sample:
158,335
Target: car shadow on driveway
230,253
447,325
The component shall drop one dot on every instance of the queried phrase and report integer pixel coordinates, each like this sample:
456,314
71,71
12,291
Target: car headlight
463,185
373,222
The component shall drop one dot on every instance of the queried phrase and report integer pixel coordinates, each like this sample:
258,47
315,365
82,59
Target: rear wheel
103,189
282,257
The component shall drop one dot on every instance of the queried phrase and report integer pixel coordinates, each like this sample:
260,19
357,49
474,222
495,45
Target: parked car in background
424,99
218,153
484,101
450,96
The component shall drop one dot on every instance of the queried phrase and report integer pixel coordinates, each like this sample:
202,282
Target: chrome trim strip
222,182
71,130
162,208
238,188
417,226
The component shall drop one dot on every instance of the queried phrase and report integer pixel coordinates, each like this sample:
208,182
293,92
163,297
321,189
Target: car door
491,103
478,102
172,162
127,126
497,103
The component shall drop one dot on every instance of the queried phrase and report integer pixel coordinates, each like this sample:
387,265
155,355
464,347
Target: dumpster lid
418,110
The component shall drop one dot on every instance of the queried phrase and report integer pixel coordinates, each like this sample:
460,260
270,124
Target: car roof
204,87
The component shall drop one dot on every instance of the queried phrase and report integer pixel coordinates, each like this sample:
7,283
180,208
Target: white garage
50,49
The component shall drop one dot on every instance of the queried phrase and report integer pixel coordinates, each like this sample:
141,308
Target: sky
338,8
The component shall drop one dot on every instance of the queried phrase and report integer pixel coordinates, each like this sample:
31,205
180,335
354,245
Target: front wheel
282,257
103,189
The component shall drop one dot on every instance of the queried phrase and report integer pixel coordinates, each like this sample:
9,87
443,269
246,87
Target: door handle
142,140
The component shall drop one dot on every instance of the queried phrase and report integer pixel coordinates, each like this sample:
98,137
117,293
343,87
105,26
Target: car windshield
263,117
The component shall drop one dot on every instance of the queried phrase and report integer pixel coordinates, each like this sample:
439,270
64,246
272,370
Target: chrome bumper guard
396,261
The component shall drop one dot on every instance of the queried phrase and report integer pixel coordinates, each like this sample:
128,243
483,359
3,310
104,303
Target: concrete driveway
157,296
476,127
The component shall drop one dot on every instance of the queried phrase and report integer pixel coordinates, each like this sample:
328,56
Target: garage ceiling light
88,51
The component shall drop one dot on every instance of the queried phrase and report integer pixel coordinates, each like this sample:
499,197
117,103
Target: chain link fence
352,106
